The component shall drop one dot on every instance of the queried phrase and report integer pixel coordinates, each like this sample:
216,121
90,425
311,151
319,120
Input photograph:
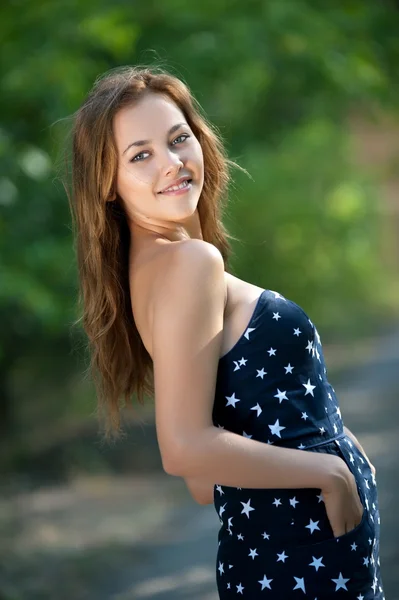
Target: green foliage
278,78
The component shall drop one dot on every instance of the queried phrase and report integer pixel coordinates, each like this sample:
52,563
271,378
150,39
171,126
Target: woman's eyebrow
144,142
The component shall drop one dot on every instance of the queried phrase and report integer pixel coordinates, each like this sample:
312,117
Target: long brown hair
119,363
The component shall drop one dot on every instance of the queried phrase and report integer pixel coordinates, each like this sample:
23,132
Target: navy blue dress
278,543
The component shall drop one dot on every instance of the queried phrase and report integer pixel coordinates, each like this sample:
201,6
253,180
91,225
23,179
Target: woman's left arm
359,446
200,489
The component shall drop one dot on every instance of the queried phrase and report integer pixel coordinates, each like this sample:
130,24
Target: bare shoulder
190,271
187,332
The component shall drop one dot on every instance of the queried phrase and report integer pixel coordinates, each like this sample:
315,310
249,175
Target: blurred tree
278,78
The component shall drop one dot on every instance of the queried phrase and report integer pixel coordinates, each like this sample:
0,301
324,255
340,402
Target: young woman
244,411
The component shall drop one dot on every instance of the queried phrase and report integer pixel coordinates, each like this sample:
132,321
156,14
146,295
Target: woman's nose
172,163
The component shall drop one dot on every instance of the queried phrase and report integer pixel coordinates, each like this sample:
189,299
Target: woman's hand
341,498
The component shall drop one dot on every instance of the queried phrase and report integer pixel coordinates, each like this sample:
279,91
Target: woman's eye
183,135
137,157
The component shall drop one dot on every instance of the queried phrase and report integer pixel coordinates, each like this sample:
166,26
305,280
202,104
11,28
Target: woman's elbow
172,463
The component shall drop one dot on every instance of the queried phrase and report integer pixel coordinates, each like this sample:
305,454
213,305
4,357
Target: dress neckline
251,320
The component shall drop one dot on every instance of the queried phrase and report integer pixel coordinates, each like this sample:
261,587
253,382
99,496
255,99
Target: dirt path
137,537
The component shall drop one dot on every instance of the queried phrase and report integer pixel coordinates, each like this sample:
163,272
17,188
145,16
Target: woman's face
156,148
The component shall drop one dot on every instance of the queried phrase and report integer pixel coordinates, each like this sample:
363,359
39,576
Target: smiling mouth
175,188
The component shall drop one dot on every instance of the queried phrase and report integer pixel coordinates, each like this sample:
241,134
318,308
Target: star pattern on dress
340,583
247,508
282,556
309,388
281,395
232,400
276,428
284,361
248,331
265,582
300,584
257,408
261,373
316,563
313,525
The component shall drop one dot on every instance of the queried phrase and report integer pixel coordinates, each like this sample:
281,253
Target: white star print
265,582
316,563
277,295
340,582
309,388
281,395
232,400
261,373
248,331
247,507
283,556
257,408
276,428
326,417
312,526
300,584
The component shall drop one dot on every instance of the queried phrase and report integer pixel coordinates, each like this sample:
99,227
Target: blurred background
305,94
